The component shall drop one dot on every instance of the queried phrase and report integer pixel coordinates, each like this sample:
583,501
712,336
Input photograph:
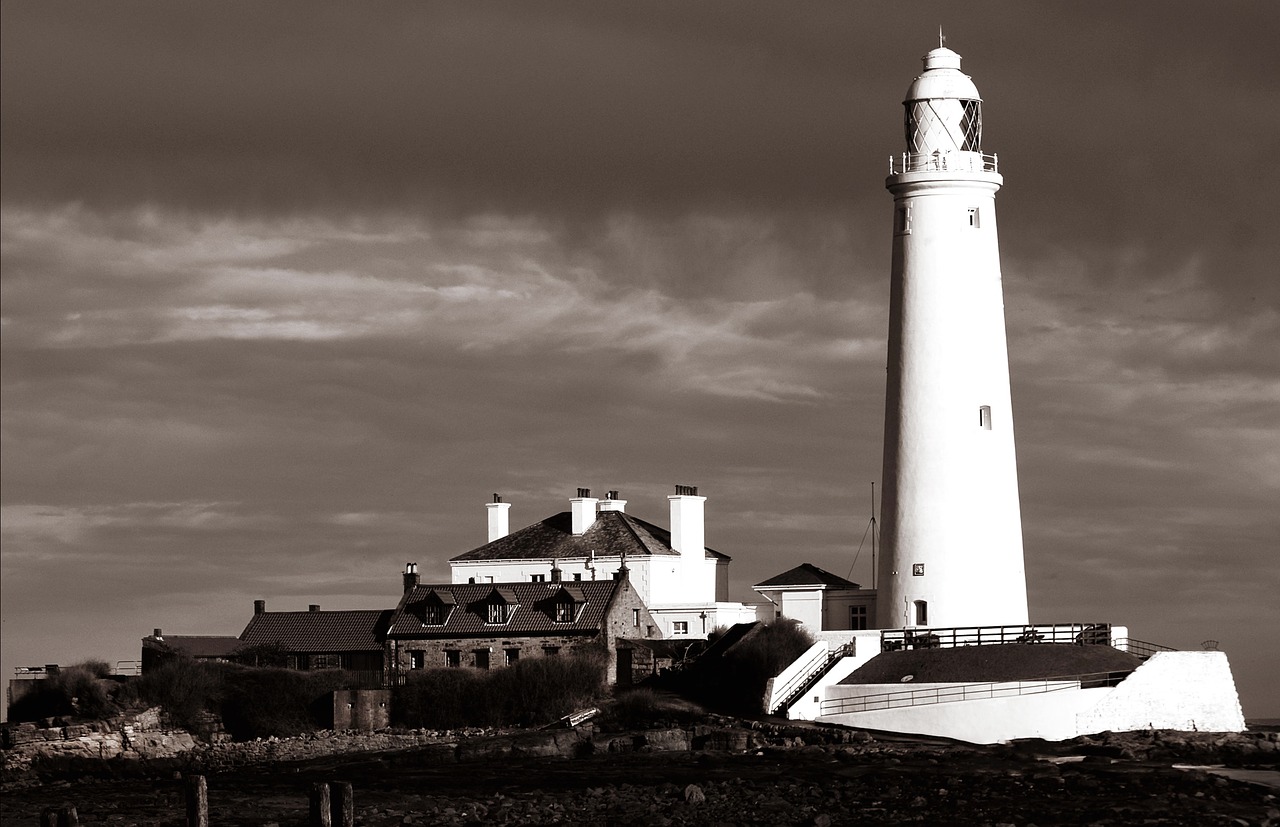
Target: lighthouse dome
943,111
942,78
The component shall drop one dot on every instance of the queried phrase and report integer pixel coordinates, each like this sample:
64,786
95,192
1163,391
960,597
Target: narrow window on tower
922,613
973,217
902,220
984,417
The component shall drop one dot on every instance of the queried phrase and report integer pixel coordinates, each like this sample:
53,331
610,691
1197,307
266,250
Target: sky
290,290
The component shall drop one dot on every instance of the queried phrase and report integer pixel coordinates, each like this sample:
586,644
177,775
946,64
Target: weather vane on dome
942,39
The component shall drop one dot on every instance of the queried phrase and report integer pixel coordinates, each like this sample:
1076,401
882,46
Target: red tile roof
613,533
534,611
196,646
350,631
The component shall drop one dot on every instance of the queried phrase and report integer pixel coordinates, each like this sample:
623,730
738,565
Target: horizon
288,294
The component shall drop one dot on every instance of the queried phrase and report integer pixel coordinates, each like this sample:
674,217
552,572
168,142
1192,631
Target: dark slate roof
196,646
534,611
807,574
351,631
612,534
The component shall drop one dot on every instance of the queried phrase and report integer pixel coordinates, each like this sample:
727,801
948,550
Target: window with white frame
680,627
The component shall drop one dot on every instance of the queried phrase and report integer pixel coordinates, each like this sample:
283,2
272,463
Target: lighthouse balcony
938,161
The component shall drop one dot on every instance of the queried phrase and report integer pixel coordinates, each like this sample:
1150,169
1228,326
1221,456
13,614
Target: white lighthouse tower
951,523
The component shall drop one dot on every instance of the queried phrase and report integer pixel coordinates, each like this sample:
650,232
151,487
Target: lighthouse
951,523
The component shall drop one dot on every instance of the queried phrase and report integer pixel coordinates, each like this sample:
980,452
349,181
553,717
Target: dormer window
566,604
434,609
500,605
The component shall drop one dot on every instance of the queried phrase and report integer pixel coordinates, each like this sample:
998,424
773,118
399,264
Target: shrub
533,691
78,691
184,688
643,708
260,703
736,680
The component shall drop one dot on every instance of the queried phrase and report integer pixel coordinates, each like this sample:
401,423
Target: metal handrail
1141,648
952,693
802,681
944,162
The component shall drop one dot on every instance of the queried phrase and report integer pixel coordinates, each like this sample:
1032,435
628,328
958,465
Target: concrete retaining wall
1188,691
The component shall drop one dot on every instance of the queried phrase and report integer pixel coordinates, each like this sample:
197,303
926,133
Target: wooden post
197,801
344,807
321,812
64,816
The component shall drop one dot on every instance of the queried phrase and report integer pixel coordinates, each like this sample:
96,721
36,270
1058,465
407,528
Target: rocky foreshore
724,772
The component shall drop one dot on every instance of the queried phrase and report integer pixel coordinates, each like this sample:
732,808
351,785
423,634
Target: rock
693,794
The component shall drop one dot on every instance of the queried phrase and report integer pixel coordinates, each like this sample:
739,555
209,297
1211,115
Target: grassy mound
983,664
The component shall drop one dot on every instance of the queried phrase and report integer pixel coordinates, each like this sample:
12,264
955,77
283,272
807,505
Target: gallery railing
891,640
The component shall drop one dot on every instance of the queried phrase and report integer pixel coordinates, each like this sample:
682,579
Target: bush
260,703
185,689
735,681
78,691
643,708
534,691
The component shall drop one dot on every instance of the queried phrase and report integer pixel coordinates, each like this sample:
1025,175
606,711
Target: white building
684,584
952,529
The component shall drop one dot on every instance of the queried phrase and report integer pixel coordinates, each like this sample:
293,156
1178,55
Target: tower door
624,667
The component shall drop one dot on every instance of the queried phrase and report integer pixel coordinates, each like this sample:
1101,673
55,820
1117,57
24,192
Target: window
326,662
635,616
452,658
564,611
481,658
973,218
984,417
537,578
922,613
550,651
857,617
680,627
497,613
512,656
577,575
902,220
417,660
432,614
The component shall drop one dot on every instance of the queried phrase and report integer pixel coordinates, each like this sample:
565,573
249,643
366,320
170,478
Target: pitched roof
807,574
350,631
534,611
612,534
196,646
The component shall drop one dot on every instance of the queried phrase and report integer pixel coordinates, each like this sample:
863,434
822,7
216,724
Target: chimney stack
157,635
688,531
259,606
556,574
499,519
314,607
612,502
583,510
410,576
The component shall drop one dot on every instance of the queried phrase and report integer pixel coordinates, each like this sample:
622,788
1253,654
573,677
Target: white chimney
583,509
499,523
612,503
688,532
